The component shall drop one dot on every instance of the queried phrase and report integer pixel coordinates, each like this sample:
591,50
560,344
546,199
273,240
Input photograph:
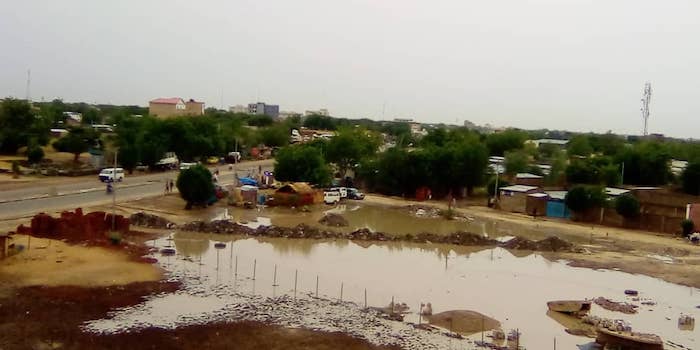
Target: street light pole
114,189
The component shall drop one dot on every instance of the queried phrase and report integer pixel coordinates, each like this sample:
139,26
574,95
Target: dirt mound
75,226
623,307
218,226
549,244
150,220
463,321
335,220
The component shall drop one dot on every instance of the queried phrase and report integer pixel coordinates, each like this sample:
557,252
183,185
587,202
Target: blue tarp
557,209
248,181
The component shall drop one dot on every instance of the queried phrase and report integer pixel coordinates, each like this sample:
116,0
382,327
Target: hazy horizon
576,65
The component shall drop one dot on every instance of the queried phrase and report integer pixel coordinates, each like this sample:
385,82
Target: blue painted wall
557,209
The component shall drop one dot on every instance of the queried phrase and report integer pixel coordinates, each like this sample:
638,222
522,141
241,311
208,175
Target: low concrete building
556,206
514,198
536,204
174,106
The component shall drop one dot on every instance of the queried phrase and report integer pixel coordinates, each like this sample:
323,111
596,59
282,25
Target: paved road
28,201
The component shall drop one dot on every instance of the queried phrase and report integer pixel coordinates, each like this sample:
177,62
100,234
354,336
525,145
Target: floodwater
385,219
512,289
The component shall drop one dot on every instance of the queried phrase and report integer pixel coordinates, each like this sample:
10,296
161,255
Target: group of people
169,185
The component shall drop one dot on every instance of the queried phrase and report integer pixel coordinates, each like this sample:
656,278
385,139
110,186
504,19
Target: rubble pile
74,226
149,220
608,304
335,220
551,244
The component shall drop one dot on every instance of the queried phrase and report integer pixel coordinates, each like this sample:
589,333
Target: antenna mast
646,99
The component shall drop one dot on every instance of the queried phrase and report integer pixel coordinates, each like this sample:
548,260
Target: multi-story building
261,108
322,111
174,106
238,109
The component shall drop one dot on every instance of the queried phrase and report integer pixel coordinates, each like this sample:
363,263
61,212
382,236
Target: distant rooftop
527,176
167,100
612,191
518,188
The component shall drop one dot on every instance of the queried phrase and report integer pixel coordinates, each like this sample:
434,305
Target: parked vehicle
331,197
168,162
343,191
111,174
184,166
233,157
354,193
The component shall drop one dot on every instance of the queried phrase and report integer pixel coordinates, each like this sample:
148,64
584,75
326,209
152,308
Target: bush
35,154
627,206
687,226
195,185
15,168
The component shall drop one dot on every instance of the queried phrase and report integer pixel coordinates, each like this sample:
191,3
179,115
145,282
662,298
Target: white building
238,109
322,111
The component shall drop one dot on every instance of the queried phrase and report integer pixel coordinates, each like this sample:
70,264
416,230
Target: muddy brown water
512,289
384,219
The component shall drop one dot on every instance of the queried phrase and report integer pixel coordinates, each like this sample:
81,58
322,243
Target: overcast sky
558,64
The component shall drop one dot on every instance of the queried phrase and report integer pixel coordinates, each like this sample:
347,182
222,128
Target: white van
331,197
111,174
342,190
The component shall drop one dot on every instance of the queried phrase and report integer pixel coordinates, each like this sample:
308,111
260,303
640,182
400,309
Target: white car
111,175
331,197
184,166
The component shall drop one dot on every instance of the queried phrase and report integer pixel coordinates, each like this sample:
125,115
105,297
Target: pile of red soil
75,226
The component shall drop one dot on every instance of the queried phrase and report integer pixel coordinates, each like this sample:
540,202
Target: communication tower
646,99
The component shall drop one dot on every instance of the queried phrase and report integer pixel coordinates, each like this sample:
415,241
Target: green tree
19,125
275,136
302,163
195,185
319,122
501,142
558,168
646,163
579,146
691,178
35,153
349,146
516,162
77,141
627,206
581,198
260,120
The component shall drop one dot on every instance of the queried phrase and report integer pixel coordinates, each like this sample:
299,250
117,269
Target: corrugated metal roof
527,176
559,195
518,188
612,191
538,195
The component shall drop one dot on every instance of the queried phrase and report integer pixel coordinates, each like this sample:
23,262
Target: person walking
172,185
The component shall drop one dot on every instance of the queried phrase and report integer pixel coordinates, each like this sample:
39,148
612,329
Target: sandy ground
50,262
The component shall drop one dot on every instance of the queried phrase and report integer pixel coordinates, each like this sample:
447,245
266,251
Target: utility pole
114,189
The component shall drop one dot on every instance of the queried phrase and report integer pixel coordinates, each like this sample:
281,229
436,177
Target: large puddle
512,289
386,219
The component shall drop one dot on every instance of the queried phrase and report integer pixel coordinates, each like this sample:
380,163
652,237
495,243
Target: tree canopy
690,178
349,146
19,125
195,185
501,142
302,163
582,198
77,141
